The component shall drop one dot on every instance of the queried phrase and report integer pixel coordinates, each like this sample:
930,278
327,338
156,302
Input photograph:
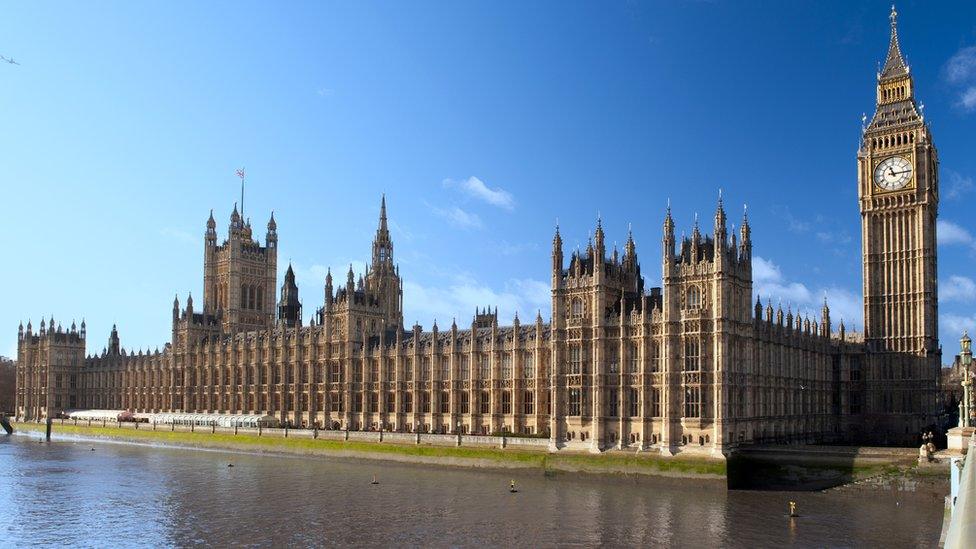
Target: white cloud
477,189
958,185
960,70
459,217
769,283
952,326
957,288
464,294
949,233
961,66
967,99
324,92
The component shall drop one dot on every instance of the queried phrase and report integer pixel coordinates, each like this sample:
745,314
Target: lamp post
966,359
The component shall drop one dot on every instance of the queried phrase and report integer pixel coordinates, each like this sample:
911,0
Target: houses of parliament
695,365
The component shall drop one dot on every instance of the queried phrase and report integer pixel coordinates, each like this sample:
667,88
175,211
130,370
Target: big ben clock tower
898,188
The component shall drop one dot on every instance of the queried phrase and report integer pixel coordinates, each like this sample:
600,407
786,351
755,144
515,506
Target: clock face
893,173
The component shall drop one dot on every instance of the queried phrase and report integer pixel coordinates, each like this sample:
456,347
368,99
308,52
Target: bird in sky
9,60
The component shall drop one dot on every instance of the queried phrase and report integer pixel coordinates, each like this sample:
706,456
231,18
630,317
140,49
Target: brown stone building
695,365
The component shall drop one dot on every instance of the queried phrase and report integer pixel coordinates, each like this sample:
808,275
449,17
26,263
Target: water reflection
63,493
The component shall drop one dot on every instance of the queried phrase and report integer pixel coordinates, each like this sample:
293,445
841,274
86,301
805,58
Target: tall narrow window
694,298
528,365
506,366
575,359
693,401
574,402
465,368
633,356
484,367
613,402
692,355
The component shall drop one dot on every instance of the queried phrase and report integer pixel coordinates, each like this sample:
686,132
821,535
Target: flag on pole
240,173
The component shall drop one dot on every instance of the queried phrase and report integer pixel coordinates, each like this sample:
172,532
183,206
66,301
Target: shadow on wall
812,468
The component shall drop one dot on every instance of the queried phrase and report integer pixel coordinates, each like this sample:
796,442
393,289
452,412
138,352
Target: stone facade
694,365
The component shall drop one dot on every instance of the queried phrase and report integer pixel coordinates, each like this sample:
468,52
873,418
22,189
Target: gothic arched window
694,300
576,308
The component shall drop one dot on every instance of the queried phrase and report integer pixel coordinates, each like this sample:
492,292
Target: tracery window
576,307
692,355
693,401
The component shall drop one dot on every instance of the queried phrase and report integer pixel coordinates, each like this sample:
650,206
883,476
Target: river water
123,495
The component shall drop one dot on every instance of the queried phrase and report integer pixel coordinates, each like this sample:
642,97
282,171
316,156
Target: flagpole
242,193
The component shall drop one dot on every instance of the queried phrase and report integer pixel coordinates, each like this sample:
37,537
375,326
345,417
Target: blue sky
482,122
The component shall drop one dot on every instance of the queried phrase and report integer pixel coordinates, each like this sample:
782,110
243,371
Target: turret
176,308
630,251
113,342
211,234
557,257
600,246
721,234
271,239
84,330
668,239
329,292
825,318
745,237
235,222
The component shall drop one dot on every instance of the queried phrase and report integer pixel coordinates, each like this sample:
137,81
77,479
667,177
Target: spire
382,243
719,216
894,64
668,233
272,225
211,222
290,307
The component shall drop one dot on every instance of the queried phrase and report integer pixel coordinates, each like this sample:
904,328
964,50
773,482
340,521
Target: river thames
64,493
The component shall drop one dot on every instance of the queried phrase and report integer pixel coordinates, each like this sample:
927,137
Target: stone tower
239,275
48,364
706,315
383,279
898,180
588,300
290,307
